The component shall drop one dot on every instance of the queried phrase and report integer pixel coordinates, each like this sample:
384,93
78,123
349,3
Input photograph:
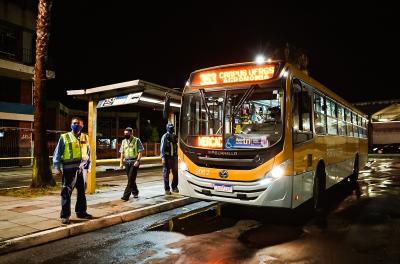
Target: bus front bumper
273,193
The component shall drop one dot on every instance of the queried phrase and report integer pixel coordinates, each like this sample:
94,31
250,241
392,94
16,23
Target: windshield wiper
203,99
243,99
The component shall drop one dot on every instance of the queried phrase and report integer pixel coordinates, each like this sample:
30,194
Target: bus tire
356,171
319,188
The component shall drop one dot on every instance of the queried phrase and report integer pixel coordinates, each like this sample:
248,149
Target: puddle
268,235
196,223
205,222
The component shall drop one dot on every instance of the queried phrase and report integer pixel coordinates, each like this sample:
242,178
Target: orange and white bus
266,135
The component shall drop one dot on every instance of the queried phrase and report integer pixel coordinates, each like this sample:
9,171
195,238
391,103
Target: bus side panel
302,188
303,172
351,152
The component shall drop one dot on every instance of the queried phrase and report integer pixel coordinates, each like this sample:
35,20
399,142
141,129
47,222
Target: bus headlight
276,172
182,165
265,181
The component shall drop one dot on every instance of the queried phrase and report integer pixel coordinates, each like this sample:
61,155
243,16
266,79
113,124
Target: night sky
352,49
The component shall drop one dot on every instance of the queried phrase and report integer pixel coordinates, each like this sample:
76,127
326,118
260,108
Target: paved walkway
20,217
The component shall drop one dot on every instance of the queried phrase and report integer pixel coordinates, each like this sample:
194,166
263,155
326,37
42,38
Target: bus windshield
235,118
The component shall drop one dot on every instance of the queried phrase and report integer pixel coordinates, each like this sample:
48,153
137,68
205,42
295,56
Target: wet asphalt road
358,226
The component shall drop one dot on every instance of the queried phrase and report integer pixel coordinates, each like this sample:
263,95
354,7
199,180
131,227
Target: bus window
366,128
257,121
362,129
341,121
319,114
302,128
349,126
331,117
244,117
355,121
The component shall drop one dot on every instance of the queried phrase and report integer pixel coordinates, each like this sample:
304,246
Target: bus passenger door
302,142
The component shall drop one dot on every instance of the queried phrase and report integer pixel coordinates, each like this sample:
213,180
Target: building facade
17,58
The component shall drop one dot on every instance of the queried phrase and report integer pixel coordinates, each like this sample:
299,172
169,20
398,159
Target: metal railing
16,147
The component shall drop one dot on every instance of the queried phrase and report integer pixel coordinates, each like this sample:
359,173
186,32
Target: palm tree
41,175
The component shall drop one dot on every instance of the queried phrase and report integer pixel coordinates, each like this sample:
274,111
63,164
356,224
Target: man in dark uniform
169,157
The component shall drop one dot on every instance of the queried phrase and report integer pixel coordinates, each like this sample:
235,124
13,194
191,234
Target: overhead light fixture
155,101
260,59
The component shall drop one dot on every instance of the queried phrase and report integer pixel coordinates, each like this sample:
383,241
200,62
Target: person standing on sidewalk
169,158
73,153
131,153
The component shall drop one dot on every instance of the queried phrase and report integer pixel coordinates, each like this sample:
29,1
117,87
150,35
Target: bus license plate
223,188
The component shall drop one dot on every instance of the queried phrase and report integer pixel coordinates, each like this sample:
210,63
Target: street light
260,59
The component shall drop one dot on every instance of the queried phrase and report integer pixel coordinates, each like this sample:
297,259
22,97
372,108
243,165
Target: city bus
266,135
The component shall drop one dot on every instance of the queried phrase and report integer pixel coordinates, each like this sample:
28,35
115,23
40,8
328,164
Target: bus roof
306,78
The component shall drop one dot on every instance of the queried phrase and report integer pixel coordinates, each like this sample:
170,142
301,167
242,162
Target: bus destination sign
236,74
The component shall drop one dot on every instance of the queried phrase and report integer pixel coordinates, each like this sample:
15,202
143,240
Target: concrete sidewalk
26,222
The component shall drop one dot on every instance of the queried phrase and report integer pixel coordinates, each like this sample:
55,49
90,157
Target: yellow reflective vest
130,148
74,149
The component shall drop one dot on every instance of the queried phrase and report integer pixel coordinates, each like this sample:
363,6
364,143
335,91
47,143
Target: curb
46,236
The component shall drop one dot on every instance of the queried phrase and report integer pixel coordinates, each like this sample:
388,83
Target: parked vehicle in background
386,149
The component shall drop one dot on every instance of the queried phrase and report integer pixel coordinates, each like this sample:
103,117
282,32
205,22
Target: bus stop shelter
141,93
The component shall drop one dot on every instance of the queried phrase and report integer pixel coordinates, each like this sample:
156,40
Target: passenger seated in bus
256,118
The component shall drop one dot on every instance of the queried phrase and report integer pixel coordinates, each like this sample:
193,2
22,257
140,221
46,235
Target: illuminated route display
236,74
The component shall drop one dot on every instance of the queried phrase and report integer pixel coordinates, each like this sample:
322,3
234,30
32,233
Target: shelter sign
120,100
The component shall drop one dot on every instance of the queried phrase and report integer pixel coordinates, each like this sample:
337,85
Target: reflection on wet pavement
382,177
362,225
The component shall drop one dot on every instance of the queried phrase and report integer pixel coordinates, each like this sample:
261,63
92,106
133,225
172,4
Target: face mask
76,128
127,136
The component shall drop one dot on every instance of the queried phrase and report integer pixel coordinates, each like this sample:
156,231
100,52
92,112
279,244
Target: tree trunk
41,174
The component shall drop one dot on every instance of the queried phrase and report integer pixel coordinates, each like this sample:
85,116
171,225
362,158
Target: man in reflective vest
73,153
169,157
131,153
